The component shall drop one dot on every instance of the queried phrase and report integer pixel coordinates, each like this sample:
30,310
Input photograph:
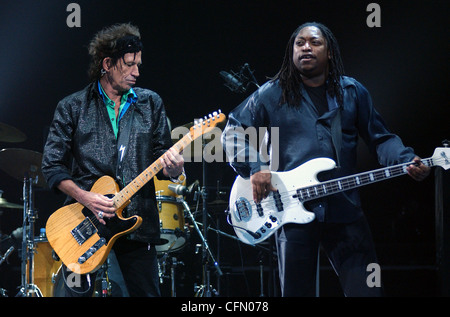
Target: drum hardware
262,251
55,275
256,246
25,165
175,263
174,233
105,284
202,193
10,240
206,284
5,256
163,263
28,288
205,289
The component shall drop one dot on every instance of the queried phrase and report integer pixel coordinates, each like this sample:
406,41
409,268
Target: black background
403,63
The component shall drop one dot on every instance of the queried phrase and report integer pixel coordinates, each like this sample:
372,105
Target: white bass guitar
254,223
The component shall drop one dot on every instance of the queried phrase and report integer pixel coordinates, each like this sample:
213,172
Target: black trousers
348,246
138,264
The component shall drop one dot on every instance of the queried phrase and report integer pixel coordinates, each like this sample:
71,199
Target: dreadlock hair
289,76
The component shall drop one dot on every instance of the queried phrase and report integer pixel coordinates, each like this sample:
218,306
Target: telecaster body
83,243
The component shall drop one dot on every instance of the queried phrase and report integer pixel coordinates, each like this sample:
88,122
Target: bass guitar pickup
271,224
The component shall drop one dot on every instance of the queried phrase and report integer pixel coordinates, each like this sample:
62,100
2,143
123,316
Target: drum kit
25,166
41,268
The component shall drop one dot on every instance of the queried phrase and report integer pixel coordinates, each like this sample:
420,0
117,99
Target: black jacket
81,146
302,135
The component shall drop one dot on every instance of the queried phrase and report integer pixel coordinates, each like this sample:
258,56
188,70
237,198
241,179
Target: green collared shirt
127,99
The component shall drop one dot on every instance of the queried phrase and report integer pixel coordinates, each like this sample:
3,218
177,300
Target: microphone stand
205,247
254,81
206,251
239,82
205,289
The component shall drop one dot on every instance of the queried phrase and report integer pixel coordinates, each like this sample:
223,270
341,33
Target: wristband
179,179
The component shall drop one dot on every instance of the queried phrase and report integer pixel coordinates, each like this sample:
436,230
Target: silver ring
100,214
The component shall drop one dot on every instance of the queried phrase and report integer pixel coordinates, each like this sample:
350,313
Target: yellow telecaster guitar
76,235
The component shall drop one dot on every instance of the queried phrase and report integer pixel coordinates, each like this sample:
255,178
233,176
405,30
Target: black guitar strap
336,135
122,146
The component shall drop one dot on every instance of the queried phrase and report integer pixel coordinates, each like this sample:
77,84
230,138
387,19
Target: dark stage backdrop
403,63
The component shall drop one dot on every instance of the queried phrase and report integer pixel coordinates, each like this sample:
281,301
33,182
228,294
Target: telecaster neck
133,187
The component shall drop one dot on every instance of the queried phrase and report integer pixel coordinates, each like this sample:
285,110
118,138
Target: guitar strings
316,191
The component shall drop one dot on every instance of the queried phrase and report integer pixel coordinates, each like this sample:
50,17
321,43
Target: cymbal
10,134
21,163
5,204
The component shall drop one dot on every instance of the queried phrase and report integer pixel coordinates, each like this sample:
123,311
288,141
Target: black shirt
318,96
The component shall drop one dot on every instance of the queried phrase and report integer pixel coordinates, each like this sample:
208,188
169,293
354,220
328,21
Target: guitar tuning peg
446,143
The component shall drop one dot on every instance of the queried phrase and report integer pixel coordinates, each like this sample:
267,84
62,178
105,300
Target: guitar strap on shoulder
336,127
336,135
122,146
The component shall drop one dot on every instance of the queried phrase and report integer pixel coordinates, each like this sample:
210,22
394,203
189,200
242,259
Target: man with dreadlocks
110,128
318,112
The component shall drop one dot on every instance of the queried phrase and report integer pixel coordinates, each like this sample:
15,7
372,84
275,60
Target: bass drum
171,217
